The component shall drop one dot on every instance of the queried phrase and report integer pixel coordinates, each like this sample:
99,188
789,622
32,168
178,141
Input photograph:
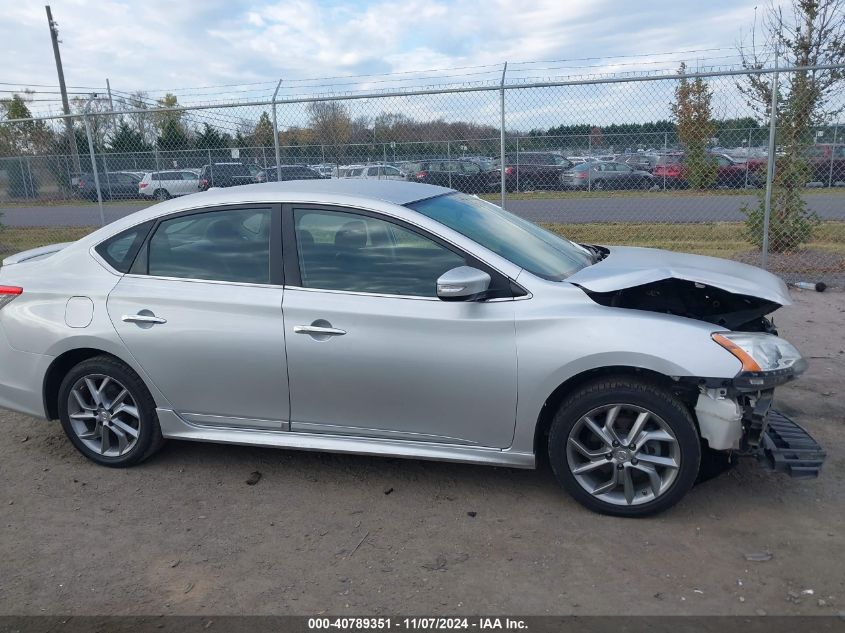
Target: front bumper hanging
786,447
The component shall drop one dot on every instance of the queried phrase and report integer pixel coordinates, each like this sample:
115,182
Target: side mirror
462,284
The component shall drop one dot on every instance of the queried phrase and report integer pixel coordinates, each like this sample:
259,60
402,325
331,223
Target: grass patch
719,239
14,239
622,193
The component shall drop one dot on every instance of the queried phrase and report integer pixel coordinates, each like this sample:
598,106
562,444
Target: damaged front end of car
734,415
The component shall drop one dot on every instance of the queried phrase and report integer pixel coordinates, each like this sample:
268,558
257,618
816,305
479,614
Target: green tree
262,135
211,138
692,114
171,131
127,139
809,33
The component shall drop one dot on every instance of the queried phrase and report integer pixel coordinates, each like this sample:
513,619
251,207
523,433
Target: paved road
613,208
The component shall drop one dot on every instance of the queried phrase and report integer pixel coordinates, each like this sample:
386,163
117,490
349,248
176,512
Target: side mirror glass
463,283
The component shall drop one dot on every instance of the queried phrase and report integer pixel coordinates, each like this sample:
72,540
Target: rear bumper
786,447
21,378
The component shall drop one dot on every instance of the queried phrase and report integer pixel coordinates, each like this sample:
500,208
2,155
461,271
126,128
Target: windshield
525,244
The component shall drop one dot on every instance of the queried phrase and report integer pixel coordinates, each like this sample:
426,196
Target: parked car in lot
640,162
406,320
462,175
377,171
288,172
224,175
170,183
599,176
113,185
827,163
527,171
350,171
672,169
326,170
577,160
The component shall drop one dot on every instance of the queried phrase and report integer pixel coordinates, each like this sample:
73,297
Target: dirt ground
185,534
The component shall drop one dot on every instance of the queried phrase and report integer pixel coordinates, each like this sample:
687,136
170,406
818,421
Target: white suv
375,172
169,184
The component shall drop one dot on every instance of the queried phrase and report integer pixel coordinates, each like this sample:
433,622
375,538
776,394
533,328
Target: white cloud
162,44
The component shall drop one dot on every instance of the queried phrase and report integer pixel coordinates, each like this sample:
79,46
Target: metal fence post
449,158
747,157
502,136
832,154
665,150
31,183
517,162
94,168
276,135
589,165
770,168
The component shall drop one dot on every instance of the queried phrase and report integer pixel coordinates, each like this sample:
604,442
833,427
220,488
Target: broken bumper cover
786,447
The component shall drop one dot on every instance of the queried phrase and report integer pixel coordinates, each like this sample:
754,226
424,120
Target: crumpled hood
628,266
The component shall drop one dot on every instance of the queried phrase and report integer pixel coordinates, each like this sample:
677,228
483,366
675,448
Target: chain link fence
688,161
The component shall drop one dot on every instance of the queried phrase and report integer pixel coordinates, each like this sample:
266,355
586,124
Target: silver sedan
400,319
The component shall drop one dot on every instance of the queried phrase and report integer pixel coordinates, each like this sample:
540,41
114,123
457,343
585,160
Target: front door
202,316
372,352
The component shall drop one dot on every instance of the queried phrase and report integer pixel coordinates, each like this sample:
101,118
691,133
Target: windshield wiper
597,254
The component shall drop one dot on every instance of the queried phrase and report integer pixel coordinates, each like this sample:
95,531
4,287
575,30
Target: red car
672,170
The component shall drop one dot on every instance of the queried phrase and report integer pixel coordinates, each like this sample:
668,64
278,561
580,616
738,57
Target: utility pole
71,137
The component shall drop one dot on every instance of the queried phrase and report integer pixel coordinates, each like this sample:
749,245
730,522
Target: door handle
142,318
318,330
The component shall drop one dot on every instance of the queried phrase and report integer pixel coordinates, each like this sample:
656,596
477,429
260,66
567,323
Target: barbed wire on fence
668,158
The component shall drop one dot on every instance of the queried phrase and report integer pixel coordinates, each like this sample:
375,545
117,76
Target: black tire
149,438
640,393
599,185
161,194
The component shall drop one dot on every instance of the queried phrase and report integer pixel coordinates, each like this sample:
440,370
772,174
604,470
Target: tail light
204,182
142,185
508,171
421,175
8,293
81,183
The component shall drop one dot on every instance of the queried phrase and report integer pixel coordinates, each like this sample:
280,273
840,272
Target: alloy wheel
104,415
623,454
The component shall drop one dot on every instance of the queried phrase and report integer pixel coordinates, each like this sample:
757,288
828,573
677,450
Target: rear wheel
161,194
108,414
625,447
599,185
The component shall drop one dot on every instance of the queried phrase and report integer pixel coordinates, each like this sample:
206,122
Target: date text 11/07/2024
417,623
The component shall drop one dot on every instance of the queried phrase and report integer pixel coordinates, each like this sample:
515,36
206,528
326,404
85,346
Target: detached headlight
759,352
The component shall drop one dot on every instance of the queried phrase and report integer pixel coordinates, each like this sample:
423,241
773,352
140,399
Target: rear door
201,312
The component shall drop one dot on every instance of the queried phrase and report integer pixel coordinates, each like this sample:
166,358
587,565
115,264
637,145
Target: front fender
557,342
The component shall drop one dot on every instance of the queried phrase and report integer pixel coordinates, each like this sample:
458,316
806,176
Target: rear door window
225,245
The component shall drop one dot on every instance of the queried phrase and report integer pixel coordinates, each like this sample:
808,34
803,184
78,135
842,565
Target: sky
216,50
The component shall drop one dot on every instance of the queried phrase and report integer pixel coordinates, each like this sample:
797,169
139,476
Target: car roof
339,192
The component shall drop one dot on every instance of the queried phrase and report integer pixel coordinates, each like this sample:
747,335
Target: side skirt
174,427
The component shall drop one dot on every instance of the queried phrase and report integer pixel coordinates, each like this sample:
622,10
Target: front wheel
108,414
625,447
